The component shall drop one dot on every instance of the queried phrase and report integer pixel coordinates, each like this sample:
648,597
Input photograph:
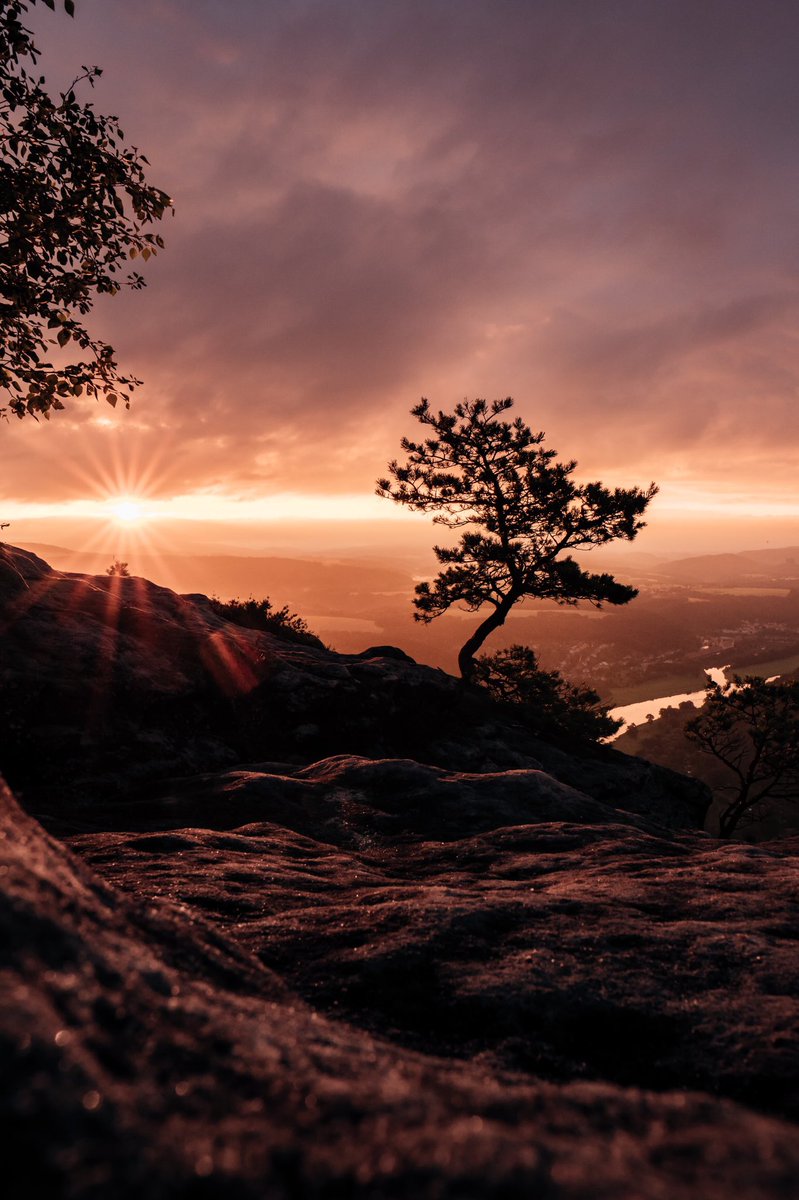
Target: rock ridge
328,926
108,683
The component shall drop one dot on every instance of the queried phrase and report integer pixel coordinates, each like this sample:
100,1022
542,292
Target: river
635,714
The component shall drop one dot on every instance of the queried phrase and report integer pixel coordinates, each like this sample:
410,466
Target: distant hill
326,585
710,568
763,566
780,558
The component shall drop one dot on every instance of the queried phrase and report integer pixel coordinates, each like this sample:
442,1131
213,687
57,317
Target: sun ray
127,511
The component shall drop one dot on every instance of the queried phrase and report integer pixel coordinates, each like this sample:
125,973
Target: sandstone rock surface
259,1013
110,682
361,975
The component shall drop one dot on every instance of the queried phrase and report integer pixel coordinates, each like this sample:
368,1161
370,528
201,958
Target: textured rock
376,942
108,682
146,1051
463,913
352,801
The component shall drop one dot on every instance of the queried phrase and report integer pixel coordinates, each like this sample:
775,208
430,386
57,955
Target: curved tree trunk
728,820
730,817
470,648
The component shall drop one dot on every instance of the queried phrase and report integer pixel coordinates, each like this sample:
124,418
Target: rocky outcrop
325,926
349,801
503,915
107,683
528,1011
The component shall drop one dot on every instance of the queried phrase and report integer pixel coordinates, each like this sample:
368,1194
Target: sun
127,511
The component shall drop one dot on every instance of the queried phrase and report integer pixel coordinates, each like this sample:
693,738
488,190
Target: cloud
589,207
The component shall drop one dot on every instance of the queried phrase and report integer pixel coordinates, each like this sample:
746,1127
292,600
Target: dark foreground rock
375,941
107,683
149,1050
503,916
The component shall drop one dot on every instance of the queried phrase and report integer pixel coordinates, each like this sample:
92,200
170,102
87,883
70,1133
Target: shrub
550,705
118,568
261,615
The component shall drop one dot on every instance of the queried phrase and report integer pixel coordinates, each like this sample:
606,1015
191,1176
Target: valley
691,613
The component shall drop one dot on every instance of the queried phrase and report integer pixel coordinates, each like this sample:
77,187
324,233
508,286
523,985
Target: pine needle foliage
521,512
549,705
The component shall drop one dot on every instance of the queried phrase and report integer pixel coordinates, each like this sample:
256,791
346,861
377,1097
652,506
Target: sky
587,205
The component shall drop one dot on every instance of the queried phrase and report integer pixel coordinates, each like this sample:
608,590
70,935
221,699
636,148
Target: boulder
108,683
322,925
148,1049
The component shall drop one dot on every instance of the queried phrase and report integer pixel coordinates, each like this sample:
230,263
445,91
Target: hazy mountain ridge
510,970
678,625
779,564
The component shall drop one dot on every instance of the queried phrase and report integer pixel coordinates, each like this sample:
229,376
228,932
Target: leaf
79,198
69,7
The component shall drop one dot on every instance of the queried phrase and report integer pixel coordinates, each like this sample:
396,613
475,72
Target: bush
118,568
259,614
551,706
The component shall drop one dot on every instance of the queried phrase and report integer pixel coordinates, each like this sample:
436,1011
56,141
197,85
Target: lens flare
126,511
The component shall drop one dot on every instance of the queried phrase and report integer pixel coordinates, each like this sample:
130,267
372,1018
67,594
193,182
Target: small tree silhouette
118,568
526,509
752,728
549,704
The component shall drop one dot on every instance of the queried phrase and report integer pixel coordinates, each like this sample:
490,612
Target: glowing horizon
609,244
286,506
136,508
